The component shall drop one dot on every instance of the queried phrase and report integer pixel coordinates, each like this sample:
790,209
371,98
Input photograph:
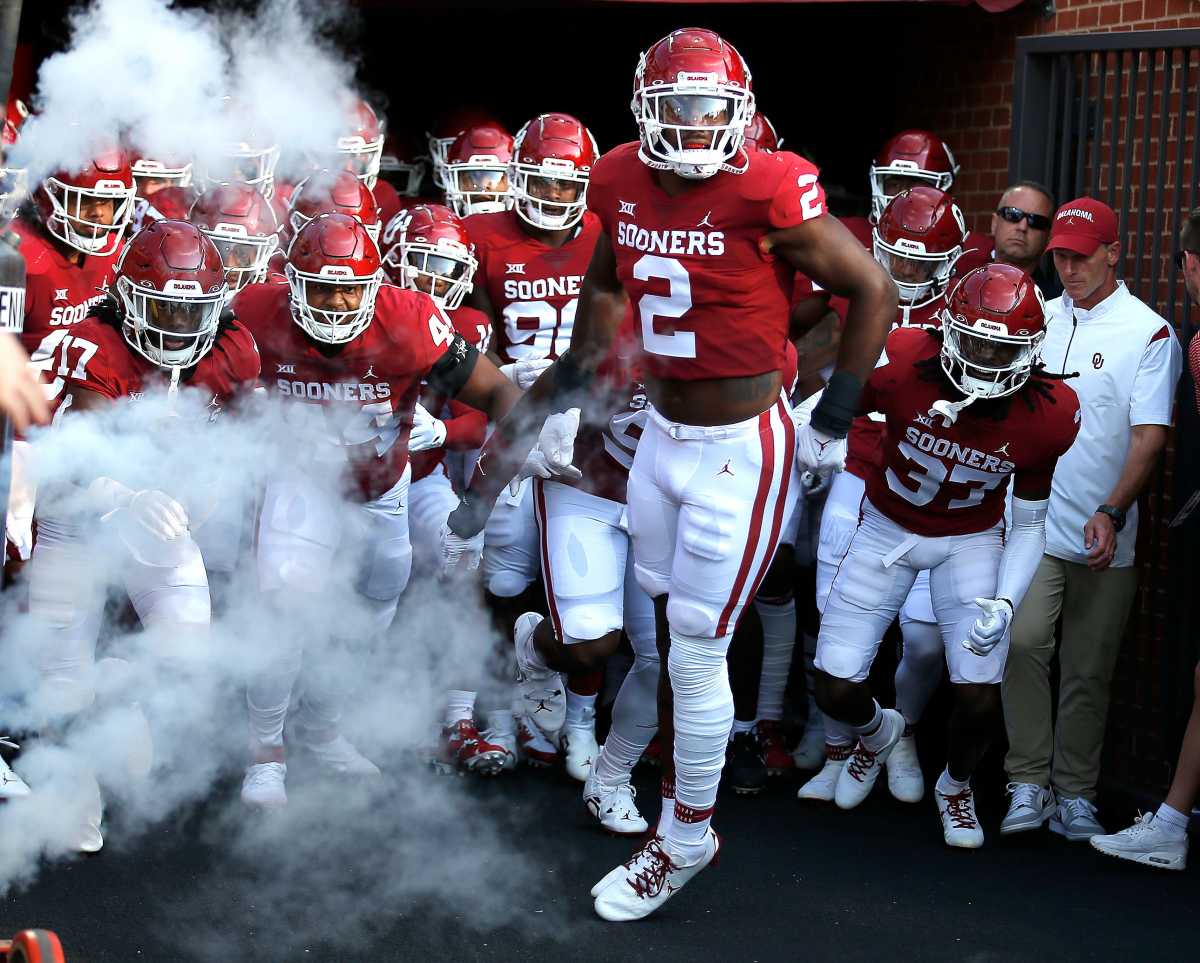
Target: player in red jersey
330,192
918,240
477,171
346,355
966,411
163,188
532,259
703,238
71,232
242,224
161,329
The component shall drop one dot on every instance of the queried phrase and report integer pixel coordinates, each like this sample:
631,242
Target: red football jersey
937,480
389,202
465,426
368,386
534,288
95,355
865,444
57,293
709,303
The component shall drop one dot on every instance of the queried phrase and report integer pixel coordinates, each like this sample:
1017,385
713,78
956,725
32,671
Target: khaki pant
1094,608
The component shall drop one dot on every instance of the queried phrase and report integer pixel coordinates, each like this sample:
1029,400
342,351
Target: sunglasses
1181,258
1014,215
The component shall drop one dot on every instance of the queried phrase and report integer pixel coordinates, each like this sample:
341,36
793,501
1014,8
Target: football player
966,409
918,240
477,171
242,224
163,327
703,238
347,353
448,128
329,192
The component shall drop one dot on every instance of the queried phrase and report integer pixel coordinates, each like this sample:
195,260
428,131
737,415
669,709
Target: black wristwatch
1117,516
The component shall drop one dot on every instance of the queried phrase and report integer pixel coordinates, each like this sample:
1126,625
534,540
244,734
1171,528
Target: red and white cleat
650,879
774,748
463,749
535,746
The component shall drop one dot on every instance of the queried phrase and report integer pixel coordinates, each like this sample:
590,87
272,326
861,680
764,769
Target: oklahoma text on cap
1082,225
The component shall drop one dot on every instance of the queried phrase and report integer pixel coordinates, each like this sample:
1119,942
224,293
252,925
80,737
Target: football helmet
760,134
428,250
442,137
918,239
692,101
912,155
992,331
400,166
89,206
171,285
334,272
360,145
477,171
151,176
326,192
553,157
242,224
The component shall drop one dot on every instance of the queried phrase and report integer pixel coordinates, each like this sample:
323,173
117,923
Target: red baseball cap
1082,225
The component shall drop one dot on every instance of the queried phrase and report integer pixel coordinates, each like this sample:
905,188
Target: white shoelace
1024,794
1079,808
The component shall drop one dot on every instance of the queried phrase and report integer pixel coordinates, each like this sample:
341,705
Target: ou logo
1097,361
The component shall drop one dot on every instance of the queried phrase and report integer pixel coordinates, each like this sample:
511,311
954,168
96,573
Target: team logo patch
60,294
285,368
626,207
1097,361
1002,450
924,418
370,373
514,268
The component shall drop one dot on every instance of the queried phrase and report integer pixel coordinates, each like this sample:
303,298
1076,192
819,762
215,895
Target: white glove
525,373
427,431
455,549
991,626
819,453
536,466
557,440
158,514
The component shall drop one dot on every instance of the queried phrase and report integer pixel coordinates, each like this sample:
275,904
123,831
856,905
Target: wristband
568,376
838,405
469,518
1117,516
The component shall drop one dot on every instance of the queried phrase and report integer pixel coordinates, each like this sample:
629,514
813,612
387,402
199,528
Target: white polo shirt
1129,361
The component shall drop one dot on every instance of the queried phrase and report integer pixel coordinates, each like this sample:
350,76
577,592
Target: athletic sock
1173,821
577,705
947,785
460,704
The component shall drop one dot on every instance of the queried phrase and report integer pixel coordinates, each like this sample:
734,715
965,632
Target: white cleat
263,787
858,778
618,871
1147,843
809,753
542,693
904,777
823,785
960,825
502,733
614,807
650,879
578,743
12,786
339,756
89,838
535,746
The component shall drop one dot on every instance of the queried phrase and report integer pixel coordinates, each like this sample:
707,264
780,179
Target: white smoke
184,84
346,857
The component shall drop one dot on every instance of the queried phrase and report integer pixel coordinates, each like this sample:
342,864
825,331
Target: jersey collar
1114,302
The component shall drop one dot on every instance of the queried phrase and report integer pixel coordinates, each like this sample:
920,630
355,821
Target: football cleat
88,838
578,743
650,879
823,786
960,825
616,872
862,770
464,750
1147,843
905,780
614,807
263,786
12,786
745,765
339,756
502,733
774,747
534,748
542,692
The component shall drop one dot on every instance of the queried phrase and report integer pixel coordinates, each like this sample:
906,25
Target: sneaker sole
914,796
1059,829
970,844
1153,860
1009,830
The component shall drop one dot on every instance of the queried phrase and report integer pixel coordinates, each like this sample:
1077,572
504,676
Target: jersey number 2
674,304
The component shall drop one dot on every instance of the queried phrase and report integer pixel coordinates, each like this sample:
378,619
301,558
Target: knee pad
691,617
654,582
585,621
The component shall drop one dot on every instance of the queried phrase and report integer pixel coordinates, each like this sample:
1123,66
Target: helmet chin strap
948,411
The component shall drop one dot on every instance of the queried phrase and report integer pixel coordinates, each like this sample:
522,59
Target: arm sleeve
1153,392
1023,549
452,370
466,427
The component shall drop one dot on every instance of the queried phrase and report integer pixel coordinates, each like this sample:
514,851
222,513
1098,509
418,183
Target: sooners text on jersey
708,302
533,288
366,388
940,480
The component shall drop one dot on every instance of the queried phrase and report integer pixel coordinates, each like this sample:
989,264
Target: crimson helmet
428,250
171,285
163,172
168,204
442,136
248,157
14,181
993,325
477,171
553,156
360,143
760,134
326,192
918,239
401,166
692,101
242,224
105,177
333,251
914,155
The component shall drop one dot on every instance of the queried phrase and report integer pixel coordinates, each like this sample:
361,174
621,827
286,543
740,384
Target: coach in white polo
1128,362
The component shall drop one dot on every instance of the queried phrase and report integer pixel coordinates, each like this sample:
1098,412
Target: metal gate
1115,116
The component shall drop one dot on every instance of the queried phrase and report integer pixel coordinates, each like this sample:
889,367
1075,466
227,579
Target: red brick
1154,9
1131,11
1088,17
1065,21
1110,13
